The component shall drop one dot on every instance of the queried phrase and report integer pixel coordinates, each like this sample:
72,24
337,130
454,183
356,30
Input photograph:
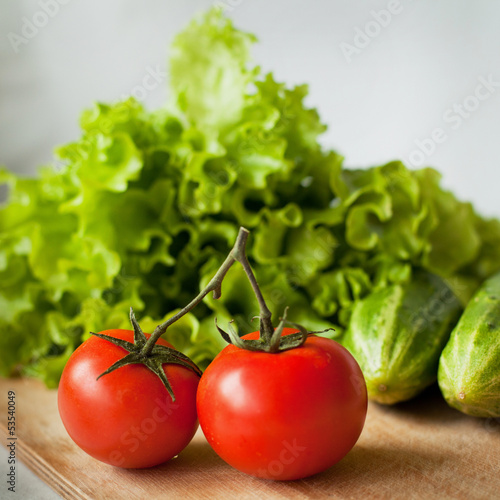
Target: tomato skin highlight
283,416
126,418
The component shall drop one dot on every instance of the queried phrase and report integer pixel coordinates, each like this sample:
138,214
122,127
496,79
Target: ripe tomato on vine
285,415
127,418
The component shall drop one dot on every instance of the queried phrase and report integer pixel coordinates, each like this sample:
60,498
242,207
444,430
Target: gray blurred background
383,74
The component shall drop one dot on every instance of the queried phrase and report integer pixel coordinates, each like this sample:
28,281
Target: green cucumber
469,368
398,333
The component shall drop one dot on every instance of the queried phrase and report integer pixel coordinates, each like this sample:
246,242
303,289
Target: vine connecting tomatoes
285,415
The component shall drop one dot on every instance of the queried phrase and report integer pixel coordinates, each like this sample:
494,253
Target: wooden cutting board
420,449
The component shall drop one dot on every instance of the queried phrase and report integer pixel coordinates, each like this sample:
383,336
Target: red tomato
283,416
126,418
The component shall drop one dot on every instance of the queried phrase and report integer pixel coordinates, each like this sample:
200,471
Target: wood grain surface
420,449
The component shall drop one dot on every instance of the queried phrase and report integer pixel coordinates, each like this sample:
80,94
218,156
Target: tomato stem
270,339
145,351
266,326
237,254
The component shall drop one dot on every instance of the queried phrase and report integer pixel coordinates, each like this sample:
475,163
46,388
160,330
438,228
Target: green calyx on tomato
151,355
270,339
271,342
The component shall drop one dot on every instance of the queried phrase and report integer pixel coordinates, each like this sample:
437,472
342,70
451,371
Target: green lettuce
145,205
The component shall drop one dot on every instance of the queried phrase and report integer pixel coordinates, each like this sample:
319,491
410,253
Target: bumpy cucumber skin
397,335
469,368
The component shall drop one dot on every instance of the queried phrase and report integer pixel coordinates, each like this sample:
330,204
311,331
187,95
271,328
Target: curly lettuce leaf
209,71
